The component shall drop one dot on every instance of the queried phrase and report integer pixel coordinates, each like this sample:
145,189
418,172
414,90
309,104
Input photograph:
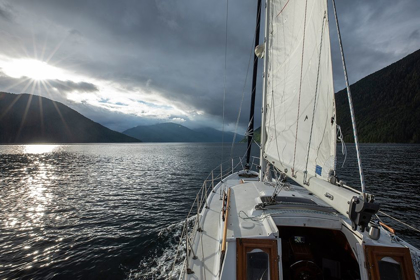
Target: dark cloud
5,13
415,35
69,86
175,50
75,32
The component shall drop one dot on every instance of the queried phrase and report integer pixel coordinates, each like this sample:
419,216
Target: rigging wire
242,99
407,225
243,93
225,75
353,120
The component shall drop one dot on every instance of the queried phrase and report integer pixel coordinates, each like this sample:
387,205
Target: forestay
300,108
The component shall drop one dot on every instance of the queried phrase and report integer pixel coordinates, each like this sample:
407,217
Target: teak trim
245,245
226,223
401,255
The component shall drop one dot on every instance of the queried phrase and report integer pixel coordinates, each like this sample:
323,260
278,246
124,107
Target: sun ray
35,52
10,106
41,112
65,57
18,83
44,84
27,85
24,49
33,87
58,111
22,123
56,49
45,45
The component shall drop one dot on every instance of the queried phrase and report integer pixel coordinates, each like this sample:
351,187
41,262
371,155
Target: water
114,211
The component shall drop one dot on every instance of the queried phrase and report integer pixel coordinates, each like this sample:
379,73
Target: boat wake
166,261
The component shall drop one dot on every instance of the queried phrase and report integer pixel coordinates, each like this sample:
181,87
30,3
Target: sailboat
288,216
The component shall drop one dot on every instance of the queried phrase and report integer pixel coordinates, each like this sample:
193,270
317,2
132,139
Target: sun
31,68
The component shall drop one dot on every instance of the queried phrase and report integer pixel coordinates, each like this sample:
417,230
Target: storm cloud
154,61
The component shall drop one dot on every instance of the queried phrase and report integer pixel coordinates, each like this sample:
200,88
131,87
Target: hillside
26,118
171,132
257,136
386,104
214,135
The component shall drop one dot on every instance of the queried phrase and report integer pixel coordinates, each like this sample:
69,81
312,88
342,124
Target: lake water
114,211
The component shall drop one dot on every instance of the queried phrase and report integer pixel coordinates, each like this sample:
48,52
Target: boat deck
207,250
243,220
295,207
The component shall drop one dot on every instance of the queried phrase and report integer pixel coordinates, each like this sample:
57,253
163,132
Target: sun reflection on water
39,149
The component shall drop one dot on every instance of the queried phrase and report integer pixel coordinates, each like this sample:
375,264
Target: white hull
296,224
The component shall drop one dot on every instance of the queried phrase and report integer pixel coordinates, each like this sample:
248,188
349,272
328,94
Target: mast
250,131
264,92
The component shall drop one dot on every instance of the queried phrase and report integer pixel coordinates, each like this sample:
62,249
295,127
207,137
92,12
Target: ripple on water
114,211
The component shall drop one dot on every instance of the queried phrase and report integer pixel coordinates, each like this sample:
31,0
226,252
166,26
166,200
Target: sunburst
36,74
33,69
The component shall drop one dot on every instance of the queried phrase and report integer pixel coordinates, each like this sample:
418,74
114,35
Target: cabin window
257,264
256,259
389,263
390,269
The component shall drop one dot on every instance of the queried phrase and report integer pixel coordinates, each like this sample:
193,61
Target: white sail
299,93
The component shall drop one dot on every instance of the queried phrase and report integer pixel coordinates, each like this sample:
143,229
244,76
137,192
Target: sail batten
300,109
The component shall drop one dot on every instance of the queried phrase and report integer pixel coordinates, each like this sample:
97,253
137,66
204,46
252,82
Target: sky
127,63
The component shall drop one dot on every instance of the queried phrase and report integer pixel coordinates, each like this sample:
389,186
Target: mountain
386,104
165,132
26,118
257,136
171,132
214,135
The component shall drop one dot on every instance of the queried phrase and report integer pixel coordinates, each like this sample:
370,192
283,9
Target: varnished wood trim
226,222
390,229
376,253
245,245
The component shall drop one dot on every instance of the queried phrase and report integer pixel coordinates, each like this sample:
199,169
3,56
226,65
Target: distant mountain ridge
257,136
26,118
386,104
172,132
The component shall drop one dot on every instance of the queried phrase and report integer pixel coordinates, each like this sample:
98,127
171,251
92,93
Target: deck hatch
288,199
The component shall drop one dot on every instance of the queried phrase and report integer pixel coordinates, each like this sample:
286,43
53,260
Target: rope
353,120
300,88
407,225
343,144
315,98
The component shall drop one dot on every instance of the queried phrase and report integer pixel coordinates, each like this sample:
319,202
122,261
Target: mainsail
299,110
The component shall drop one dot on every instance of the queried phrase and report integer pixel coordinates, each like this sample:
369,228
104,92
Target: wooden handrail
226,223
390,229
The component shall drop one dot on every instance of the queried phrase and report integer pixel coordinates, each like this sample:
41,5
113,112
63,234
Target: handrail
189,232
390,229
226,223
